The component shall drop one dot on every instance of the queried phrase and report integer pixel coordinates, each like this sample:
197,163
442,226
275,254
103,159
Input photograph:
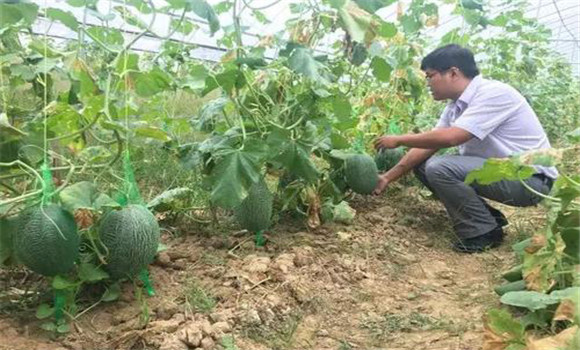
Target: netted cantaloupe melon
388,158
361,173
255,212
46,240
131,236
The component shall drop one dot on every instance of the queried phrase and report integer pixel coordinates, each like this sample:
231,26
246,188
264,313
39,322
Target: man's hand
381,186
387,142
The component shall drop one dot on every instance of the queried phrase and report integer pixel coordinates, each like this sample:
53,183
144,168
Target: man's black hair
448,56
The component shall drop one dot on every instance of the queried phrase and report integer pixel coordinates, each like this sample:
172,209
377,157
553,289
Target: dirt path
389,281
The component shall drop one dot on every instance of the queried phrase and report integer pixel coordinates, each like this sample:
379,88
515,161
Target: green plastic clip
144,276
260,240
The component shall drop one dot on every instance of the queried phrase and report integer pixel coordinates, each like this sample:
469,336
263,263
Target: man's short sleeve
444,120
487,112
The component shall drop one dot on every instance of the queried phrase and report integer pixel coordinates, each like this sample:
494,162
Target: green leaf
48,326
91,273
567,225
235,173
11,14
359,54
455,37
472,4
129,17
161,247
387,30
112,293
44,311
79,195
59,282
498,169
342,107
529,299
205,11
111,38
182,26
46,65
87,86
293,155
301,61
572,293
373,6
337,4
343,213
410,24
80,3
230,78
355,22
63,328
261,17
338,141
381,69
538,318
65,17
127,62
103,201
296,159
152,132
574,135
502,323
168,199
43,48
543,157
152,82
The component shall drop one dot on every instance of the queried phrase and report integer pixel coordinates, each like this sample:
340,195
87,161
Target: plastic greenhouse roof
561,16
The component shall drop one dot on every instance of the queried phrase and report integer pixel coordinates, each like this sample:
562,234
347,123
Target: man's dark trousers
470,214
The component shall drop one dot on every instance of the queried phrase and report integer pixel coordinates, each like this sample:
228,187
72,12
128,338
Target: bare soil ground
388,281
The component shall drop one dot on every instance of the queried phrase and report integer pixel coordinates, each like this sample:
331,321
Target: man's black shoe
477,244
498,215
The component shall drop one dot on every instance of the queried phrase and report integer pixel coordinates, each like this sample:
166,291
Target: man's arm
410,160
434,139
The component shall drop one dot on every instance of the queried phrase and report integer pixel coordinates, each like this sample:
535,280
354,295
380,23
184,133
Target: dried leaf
400,9
537,242
492,341
432,21
535,279
313,209
84,217
501,330
565,311
559,341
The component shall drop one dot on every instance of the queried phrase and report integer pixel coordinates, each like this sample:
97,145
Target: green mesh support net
59,302
130,192
144,277
394,128
358,144
130,195
260,239
47,183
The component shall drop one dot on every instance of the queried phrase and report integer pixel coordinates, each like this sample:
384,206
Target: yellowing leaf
537,242
501,330
565,311
560,341
313,208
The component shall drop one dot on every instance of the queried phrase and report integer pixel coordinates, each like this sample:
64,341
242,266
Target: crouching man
484,119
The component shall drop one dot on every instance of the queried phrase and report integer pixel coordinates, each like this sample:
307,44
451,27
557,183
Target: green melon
388,158
255,212
361,173
46,240
131,236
